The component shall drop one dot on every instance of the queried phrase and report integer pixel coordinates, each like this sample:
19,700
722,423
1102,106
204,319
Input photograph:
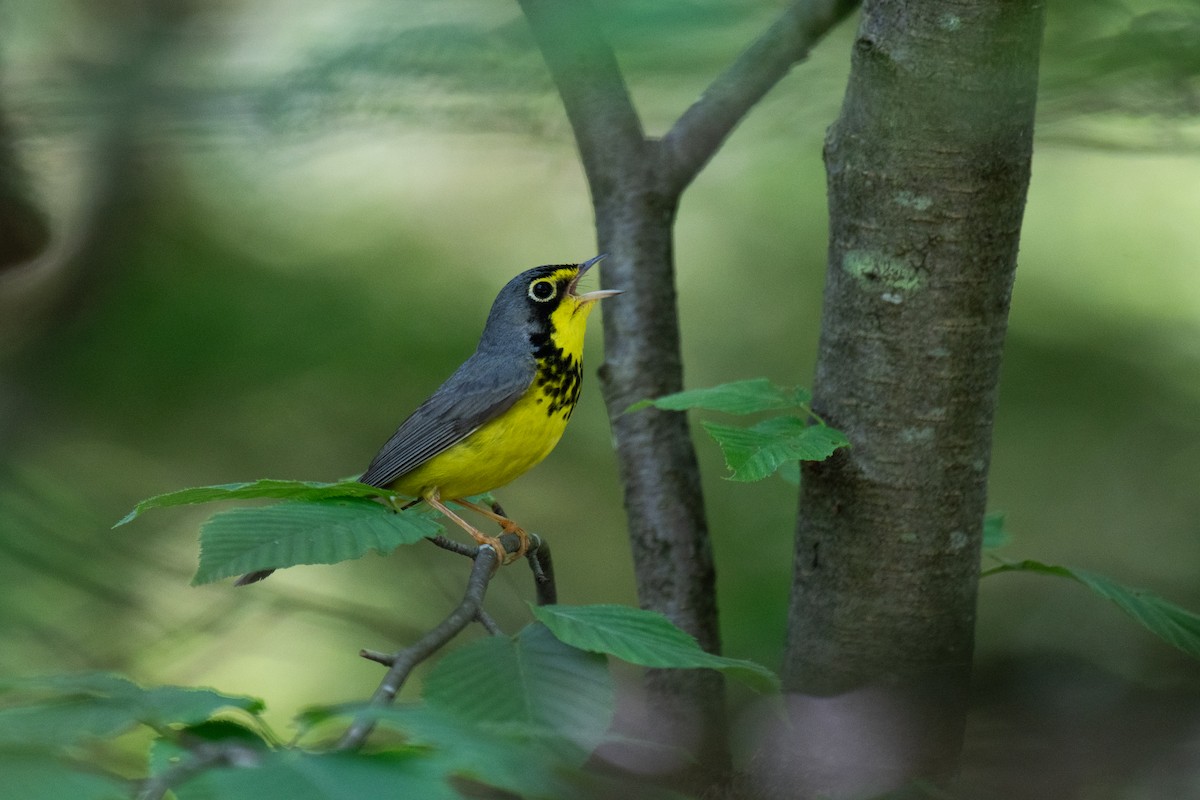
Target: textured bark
928,166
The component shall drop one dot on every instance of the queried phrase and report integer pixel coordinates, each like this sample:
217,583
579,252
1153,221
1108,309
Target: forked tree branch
401,663
404,660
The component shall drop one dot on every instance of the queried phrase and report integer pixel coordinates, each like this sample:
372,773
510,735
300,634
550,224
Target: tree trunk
664,504
928,166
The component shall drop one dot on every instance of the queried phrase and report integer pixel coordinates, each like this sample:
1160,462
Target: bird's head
541,300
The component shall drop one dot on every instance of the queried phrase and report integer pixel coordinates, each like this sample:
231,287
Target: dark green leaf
1174,625
756,452
266,488
738,397
324,532
64,709
533,680
645,638
530,761
298,775
33,777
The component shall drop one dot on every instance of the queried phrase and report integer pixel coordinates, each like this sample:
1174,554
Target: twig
489,624
204,756
700,130
403,662
543,571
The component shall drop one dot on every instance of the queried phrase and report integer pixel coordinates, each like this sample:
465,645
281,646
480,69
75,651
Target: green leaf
322,532
38,777
65,709
738,397
266,488
789,471
755,453
645,638
299,775
529,761
1174,625
531,679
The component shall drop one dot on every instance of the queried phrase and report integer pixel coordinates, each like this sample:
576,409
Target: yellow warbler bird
502,411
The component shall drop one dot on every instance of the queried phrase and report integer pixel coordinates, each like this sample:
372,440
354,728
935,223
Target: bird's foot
522,541
503,556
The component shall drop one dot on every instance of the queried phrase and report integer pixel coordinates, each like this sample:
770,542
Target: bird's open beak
590,297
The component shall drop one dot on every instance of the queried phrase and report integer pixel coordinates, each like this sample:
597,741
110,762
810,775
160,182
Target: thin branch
606,125
490,625
403,662
699,132
204,756
542,566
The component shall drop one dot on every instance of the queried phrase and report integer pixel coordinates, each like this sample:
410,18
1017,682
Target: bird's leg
506,524
491,541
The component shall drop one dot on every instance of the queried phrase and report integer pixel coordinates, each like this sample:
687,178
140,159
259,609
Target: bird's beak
590,297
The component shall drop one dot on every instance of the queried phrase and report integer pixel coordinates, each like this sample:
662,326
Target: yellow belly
495,454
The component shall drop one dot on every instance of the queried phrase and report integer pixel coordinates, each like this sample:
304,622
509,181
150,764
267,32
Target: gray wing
479,391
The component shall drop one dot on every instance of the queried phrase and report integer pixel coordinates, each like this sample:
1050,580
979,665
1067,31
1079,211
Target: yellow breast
508,446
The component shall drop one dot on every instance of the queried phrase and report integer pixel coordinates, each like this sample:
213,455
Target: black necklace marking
559,375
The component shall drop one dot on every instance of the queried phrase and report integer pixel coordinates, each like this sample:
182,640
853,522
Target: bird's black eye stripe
542,290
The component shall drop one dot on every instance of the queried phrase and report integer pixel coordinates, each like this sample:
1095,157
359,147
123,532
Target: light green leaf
789,471
323,532
1174,625
994,533
38,777
531,679
266,488
738,397
645,638
757,452
64,709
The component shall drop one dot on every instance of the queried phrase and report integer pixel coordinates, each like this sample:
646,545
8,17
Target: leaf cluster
518,714
776,444
318,523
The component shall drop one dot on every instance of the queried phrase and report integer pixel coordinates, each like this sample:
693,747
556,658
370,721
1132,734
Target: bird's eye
542,290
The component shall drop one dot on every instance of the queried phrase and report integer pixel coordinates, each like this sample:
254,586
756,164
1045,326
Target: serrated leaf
65,709
739,397
265,488
530,679
756,452
1176,626
37,777
645,638
286,534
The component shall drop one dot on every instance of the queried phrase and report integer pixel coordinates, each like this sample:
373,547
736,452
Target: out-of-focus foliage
1109,64
554,708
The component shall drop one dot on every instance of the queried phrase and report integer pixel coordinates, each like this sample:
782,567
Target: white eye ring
540,282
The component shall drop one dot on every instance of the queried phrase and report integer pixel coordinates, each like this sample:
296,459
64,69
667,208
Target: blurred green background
279,225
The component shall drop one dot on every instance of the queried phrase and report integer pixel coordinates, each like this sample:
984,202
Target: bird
501,412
